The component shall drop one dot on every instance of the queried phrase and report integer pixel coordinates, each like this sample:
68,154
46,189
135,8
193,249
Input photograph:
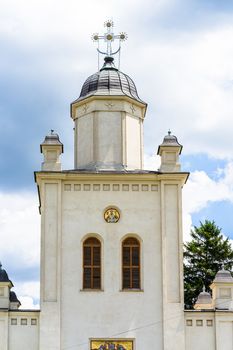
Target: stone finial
51,149
204,301
169,150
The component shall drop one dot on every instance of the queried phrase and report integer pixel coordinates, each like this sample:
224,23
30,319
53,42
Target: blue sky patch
202,162
220,212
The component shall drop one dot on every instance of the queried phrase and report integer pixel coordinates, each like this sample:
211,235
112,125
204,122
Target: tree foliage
203,257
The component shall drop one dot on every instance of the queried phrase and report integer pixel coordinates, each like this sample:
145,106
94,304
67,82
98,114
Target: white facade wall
150,210
3,330
224,330
172,253
101,314
200,330
50,267
25,334
212,330
19,330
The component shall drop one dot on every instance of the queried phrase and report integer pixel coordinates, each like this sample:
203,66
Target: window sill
132,290
91,290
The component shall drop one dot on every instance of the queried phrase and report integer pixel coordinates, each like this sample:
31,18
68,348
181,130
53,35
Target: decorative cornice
111,176
89,99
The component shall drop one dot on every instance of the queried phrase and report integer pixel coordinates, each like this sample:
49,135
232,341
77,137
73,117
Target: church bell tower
111,231
108,118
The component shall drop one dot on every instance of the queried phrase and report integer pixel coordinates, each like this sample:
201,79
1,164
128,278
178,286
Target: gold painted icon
111,215
111,344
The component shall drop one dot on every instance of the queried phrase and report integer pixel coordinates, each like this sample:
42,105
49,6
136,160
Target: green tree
203,257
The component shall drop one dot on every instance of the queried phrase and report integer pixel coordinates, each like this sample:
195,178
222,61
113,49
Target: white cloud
20,241
33,21
187,79
201,189
27,293
19,227
187,225
151,162
28,289
185,76
28,303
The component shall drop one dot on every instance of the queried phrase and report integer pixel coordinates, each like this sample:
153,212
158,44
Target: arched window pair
130,263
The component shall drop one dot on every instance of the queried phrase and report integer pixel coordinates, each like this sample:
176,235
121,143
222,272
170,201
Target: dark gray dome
170,140
3,275
109,81
51,139
223,276
13,297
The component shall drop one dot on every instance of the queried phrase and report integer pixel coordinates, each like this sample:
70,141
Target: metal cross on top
109,37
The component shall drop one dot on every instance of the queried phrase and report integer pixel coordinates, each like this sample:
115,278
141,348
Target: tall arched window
92,263
131,264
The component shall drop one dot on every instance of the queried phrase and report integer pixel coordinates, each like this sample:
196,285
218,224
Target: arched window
131,263
92,263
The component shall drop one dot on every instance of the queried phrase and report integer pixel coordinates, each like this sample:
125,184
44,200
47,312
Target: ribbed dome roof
204,301
109,81
223,276
170,140
13,297
3,275
204,298
51,139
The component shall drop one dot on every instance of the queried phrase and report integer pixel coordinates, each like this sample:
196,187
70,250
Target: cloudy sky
180,55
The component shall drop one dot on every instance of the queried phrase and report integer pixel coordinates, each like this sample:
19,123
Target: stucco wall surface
209,330
19,330
111,311
149,211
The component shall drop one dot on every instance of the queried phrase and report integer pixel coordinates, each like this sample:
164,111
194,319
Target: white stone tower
108,117
111,232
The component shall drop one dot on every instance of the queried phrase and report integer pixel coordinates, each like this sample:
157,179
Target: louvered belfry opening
131,263
92,263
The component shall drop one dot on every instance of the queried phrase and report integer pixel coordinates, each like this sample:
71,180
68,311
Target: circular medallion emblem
111,215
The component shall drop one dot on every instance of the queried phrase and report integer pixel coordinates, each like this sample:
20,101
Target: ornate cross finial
109,37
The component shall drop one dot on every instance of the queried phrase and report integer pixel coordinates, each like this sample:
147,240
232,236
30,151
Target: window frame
131,266
92,266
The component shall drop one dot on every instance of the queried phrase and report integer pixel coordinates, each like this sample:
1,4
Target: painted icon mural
111,215
111,344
